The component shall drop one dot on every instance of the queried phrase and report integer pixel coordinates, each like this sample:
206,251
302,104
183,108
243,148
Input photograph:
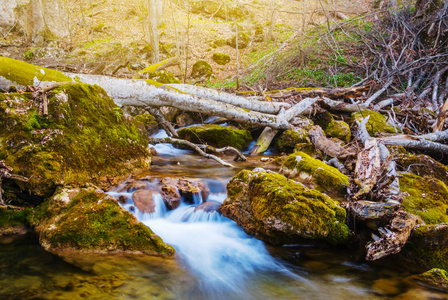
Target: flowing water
215,259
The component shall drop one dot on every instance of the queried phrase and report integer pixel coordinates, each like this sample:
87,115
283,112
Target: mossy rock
201,69
221,58
281,211
436,278
339,130
422,165
426,197
13,221
259,34
290,138
377,122
89,220
163,77
216,135
149,122
428,246
323,119
84,137
243,40
302,167
226,10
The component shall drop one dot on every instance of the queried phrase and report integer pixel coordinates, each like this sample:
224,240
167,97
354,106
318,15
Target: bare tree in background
154,9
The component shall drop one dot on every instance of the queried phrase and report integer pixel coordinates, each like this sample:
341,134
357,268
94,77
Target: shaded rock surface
437,278
377,122
288,140
281,211
143,200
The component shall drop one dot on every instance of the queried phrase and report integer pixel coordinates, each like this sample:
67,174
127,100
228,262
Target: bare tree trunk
153,30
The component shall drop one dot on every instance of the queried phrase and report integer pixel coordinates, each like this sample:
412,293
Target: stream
215,259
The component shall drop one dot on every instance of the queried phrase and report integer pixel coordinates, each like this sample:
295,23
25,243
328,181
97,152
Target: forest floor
106,34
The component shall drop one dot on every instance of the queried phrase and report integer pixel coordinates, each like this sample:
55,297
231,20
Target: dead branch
169,129
328,146
190,145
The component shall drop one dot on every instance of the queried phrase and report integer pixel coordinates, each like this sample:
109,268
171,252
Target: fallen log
328,146
333,93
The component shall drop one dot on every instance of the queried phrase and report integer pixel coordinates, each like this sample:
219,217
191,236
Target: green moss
377,122
23,73
428,246
221,58
243,40
163,77
201,69
92,220
216,135
437,278
289,138
9,217
426,197
421,165
300,166
339,129
84,137
264,199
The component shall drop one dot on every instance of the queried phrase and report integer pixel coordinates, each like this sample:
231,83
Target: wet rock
386,287
281,211
426,197
377,122
132,185
287,141
188,188
428,246
89,220
209,206
221,58
216,135
170,196
123,199
201,69
436,278
143,200
13,222
301,167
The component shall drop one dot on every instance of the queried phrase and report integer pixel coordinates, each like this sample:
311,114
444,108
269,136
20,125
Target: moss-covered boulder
281,211
339,130
149,122
290,138
84,138
428,246
221,58
421,165
311,171
243,40
89,220
163,77
426,197
216,135
201,69
377,122
436,278
226,10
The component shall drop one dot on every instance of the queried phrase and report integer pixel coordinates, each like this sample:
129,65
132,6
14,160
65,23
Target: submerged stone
89,220
281,211
377,122
426,197
216,135
302,167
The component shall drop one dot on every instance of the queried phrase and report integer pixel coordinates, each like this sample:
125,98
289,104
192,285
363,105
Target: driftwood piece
328,146
368,167
268,134
393,237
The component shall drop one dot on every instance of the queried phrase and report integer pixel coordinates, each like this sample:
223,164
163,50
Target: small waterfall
160,209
